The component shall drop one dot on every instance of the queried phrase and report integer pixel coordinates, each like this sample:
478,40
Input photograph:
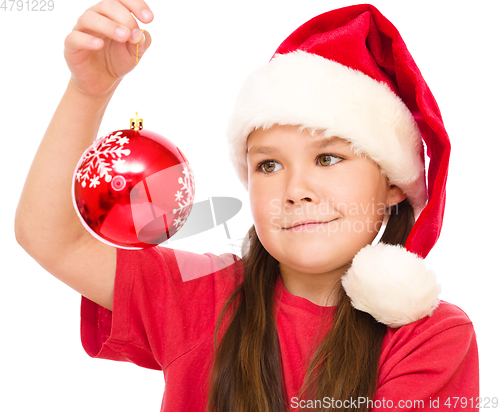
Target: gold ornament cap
136,123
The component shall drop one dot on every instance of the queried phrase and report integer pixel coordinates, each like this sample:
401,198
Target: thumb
137,50
144,43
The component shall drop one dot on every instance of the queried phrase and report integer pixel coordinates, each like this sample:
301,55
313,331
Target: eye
268,166
328,159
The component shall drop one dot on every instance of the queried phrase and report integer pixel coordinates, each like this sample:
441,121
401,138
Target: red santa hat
349,74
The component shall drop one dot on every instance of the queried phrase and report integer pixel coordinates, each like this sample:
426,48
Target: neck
321,289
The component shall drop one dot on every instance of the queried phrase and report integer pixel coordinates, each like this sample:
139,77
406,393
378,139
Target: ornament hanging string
136,123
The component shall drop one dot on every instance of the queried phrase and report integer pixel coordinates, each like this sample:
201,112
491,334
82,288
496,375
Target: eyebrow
320,144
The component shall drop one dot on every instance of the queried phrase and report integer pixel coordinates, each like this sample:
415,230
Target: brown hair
246,374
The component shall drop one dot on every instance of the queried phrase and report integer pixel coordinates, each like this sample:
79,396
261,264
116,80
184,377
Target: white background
185,88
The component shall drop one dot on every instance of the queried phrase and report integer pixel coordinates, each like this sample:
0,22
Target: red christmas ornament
133,189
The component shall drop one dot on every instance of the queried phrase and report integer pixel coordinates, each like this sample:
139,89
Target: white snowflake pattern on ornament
184,197
96,163
94,182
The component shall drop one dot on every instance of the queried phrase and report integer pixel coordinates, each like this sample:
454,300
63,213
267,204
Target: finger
98,25
140,10
120,11
117,12
77,40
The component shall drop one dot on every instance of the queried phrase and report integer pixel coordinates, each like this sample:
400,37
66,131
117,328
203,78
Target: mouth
306,226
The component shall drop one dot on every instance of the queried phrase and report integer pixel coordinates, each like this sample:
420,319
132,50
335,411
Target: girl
328,139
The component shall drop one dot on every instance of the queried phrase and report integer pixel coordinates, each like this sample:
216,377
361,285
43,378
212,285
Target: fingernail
96,41
136,33
120,32
146,14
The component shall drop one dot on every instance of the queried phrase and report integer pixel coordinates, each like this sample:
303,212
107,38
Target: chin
314,260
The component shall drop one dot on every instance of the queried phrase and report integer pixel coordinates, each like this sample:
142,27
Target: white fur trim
322,95
391,284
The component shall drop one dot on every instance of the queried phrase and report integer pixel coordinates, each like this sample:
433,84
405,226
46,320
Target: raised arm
99,52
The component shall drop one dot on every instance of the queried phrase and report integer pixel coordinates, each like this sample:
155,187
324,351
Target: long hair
247,374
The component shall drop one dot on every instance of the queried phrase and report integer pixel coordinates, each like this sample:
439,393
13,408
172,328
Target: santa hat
348,73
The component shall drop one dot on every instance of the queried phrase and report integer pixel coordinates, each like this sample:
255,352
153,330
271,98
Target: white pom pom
391,284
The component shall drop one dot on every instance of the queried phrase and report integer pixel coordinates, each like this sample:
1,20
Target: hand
101,49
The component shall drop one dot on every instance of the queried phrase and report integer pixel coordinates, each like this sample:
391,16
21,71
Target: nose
300,188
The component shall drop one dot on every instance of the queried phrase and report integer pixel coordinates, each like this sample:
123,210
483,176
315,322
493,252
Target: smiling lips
306,226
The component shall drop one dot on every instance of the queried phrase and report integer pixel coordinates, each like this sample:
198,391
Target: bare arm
47,226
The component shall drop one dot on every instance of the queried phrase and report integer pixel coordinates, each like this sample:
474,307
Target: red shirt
167,302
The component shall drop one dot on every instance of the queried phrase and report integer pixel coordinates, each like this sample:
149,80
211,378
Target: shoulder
184,265
448,312
446,317
431,356
172,272
446,333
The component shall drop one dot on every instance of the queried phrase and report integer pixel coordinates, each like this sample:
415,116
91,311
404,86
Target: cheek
361,197
263,205
264,215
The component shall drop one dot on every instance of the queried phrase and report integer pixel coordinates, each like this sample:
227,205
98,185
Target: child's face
344,193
